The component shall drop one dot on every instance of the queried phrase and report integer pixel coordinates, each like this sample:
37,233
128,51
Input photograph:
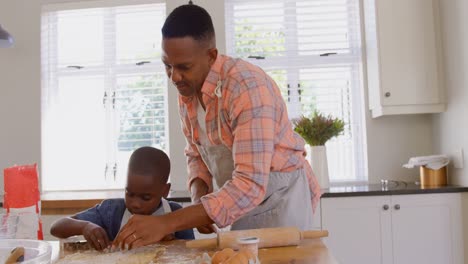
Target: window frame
354,59
110,70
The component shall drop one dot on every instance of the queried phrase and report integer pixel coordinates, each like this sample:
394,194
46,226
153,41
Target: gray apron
164,209
287,198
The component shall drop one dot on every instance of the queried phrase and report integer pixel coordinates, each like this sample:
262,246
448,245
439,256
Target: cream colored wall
390,140
20,123
451,128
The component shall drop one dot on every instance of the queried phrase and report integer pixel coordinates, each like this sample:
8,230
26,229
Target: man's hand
96,236
207,229
141,230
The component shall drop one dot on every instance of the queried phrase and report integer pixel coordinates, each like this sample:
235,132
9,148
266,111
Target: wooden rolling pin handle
314,234
202,243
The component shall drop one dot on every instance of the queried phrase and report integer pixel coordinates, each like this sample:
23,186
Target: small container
433,178
249,243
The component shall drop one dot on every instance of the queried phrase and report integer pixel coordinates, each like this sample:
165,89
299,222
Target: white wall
20,123
391,140
451,127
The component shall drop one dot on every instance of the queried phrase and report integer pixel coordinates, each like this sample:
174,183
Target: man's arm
198,189
143,230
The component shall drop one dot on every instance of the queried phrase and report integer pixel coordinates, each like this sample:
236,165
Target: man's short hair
150,161
189,21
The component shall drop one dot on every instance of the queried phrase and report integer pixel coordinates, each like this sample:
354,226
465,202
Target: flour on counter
144,255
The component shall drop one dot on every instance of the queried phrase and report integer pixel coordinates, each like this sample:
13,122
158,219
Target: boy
148,172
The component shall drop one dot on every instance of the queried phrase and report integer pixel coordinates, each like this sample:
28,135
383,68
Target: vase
319,163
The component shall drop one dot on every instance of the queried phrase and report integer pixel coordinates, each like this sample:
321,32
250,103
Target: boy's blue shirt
109,213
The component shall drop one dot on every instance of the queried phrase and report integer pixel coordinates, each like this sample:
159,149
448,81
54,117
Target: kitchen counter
311,251
391,188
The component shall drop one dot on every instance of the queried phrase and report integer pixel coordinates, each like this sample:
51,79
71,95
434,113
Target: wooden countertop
311,251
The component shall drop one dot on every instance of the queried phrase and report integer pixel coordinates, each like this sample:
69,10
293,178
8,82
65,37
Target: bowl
35,251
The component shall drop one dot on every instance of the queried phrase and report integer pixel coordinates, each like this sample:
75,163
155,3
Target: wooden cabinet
398,229
403,57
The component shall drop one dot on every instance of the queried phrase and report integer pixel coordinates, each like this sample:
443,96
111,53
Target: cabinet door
408,52
359,229
427,229
403,56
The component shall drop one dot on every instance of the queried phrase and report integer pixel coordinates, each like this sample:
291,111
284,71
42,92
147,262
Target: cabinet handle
397,207
385,207
388,94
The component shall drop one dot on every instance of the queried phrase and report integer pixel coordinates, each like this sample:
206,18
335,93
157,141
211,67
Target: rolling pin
269,237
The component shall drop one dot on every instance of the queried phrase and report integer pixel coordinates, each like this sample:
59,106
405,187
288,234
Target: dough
142,255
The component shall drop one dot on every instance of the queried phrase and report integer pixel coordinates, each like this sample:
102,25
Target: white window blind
312,49
103,91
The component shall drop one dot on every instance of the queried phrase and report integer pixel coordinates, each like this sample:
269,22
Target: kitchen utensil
269,237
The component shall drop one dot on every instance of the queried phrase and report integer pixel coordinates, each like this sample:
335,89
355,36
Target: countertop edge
444,189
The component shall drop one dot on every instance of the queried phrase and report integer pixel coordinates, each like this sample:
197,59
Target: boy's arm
69,226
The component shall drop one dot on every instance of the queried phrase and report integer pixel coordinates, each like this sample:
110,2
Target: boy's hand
140,230
96,236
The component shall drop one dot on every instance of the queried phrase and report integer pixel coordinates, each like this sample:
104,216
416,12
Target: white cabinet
403,56
398,229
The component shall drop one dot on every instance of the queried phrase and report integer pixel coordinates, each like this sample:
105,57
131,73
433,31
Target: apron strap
219,94
166,206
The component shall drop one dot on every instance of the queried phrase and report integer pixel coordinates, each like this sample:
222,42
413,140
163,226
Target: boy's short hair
189,21
150,161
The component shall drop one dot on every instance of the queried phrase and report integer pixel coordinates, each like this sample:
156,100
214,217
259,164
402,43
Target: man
238,132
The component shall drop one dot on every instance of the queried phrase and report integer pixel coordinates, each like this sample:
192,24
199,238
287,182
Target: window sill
71,202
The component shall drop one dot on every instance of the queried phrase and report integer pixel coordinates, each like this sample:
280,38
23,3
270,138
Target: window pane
323,26
141,112
279,76
138,38
75,129
80,35
101,112
328,91
259,29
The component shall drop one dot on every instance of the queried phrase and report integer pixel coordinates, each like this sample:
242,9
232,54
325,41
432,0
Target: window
104,91
312,50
